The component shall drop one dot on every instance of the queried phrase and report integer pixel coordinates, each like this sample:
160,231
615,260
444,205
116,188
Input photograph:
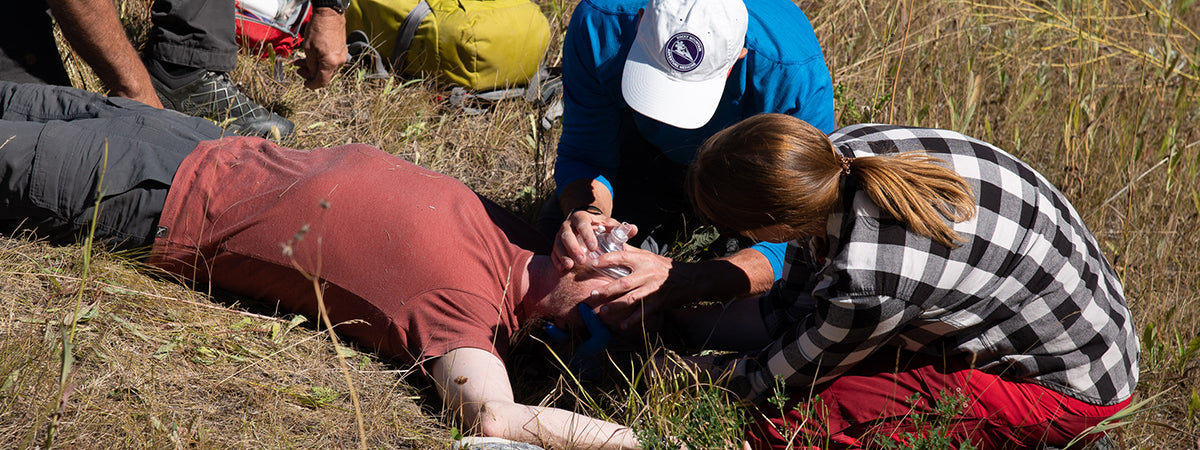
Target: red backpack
271,26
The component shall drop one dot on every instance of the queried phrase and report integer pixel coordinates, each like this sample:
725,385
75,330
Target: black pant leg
28,53
113,152
194,33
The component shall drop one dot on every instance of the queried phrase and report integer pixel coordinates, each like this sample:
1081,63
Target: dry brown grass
1100,96
159,365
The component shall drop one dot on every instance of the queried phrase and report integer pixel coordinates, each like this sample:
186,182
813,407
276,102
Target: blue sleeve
593,58
774,253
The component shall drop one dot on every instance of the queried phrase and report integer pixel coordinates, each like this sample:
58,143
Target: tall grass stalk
1116,420
70,323
323,317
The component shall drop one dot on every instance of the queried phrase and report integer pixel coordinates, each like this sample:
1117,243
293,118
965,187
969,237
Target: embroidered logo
684,51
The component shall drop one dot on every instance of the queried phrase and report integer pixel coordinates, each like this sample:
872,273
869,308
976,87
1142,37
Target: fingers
560,254
632,231
318,76
569,249
576,237
648,271
636,317
303,70
637,295
583,224
324,48
319,68
626,312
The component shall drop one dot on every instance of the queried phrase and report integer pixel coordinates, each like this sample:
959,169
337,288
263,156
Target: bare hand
658,283
324,48
645,292
577,237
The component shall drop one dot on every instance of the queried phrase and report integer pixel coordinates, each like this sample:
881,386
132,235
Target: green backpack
479,44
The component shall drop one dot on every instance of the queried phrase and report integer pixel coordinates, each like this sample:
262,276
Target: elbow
490,420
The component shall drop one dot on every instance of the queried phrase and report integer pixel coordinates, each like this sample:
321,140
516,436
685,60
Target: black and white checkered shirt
1027,295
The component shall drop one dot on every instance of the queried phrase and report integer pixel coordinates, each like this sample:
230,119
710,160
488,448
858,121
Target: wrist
338,6
589,208
711,280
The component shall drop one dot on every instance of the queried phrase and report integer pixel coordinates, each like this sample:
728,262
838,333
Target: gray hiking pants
56,143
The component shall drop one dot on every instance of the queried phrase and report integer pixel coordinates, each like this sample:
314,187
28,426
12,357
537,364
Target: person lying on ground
412,263
924,266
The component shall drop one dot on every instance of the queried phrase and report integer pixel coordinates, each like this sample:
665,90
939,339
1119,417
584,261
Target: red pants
875,402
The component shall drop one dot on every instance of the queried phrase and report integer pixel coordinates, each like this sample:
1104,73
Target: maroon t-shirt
422,262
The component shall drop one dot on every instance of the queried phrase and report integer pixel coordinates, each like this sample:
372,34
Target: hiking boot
213,95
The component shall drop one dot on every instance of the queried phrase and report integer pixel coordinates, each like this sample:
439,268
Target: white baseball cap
676,69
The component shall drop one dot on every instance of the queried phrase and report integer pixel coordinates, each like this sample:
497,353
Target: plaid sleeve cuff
746,379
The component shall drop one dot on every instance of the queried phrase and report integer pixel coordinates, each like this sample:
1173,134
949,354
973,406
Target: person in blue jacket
644,85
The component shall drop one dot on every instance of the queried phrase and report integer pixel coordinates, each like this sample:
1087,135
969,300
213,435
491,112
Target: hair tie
845,164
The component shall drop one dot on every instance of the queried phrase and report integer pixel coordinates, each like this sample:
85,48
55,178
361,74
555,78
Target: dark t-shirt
427,264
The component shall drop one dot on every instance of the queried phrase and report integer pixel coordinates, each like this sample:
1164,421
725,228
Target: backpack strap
543,90
408,30
362,52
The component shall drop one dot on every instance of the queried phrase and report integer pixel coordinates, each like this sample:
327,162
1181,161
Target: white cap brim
681,104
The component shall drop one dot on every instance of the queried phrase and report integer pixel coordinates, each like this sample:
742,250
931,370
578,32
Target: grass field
1102,97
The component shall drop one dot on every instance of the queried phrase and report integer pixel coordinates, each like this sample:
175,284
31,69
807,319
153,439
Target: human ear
741,55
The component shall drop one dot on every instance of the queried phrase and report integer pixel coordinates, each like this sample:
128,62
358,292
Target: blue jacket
783,72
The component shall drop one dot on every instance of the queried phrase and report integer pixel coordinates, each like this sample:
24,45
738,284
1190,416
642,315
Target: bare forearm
552,427
94,30
474,384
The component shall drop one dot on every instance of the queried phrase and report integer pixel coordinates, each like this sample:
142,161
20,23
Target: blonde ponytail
916,189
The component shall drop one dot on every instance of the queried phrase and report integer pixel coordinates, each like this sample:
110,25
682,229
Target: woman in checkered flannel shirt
924,266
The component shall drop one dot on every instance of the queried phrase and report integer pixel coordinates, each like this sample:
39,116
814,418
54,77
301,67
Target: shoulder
601,8
778,31
868,248
600,31
869,138
590,15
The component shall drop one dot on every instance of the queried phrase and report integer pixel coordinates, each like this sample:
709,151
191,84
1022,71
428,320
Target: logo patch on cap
684,51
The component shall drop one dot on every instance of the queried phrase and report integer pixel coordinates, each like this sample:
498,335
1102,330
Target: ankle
172,75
